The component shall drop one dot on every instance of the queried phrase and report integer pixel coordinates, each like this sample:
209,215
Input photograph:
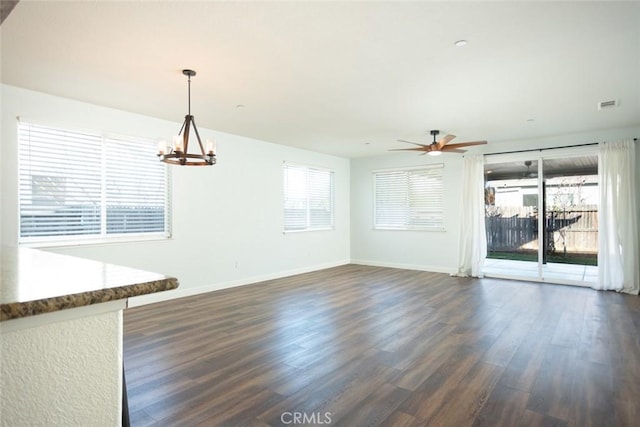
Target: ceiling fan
529,173
437,147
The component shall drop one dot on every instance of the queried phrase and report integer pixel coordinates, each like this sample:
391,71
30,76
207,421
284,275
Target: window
409,199
308,198
80,185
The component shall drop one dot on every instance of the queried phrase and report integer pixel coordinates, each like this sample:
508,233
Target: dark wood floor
362,346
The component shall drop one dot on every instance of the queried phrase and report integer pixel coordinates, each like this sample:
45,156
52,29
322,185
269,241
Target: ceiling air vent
605,105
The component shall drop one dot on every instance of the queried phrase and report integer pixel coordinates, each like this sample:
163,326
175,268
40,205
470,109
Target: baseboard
402,266
187,292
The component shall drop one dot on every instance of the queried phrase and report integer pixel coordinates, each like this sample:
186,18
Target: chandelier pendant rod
188,119
189,92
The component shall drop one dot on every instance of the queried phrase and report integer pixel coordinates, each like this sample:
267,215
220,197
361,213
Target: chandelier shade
178,152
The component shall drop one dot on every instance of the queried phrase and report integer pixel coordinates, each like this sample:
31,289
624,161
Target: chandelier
178,152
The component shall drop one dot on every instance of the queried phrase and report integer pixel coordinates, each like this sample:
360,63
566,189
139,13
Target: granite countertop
35,282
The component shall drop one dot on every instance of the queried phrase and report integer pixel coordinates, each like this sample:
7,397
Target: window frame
408,226
102,237
308,227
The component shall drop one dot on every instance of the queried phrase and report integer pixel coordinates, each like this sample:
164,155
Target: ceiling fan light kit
178,152
436,148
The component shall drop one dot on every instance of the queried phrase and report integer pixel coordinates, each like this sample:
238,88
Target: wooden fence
512,229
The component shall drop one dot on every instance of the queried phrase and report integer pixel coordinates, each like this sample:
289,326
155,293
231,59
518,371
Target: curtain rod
550,148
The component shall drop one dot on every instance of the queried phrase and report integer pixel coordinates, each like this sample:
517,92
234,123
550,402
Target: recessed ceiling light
460,43
240,106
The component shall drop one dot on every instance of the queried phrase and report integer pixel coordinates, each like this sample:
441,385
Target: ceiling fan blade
450,149
444,141
423,148
467,144
414,143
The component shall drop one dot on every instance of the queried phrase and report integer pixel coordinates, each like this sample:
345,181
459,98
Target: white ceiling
346,78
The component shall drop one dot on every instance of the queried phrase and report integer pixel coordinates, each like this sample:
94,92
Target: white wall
227,218
422,250
426,250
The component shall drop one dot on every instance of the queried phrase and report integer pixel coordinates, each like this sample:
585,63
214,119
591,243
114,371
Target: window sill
94,241
434,229
308,230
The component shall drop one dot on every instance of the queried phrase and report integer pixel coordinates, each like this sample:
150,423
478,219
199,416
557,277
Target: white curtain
473,238
618,256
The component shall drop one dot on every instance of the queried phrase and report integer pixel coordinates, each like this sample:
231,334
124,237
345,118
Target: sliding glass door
511,210
571,210
541,214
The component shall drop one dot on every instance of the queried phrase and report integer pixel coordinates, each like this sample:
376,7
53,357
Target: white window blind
409,199
76,185
308,198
